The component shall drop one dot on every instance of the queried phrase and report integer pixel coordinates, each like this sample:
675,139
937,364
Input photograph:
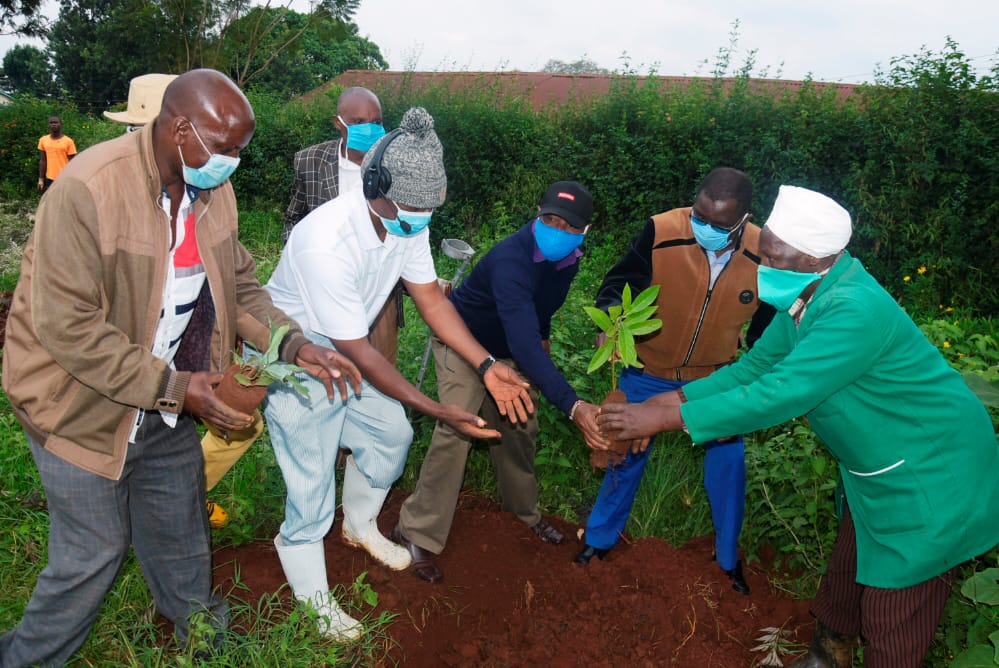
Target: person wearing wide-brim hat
145,95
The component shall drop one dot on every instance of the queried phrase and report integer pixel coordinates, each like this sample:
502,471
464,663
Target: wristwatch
485,366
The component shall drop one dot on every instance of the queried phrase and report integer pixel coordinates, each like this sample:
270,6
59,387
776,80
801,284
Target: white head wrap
809,222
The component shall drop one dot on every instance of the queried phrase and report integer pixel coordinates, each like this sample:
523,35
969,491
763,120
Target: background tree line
95,47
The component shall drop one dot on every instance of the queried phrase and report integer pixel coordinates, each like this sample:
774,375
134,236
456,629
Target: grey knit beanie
415,161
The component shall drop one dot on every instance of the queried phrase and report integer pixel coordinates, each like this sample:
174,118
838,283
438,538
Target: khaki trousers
426,516
222,453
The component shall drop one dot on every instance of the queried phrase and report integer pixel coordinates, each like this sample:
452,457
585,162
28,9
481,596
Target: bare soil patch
508,599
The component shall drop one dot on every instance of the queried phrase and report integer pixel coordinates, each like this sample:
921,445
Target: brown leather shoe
547,532
423,566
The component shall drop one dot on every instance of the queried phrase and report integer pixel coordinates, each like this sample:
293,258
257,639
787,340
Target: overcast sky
843,40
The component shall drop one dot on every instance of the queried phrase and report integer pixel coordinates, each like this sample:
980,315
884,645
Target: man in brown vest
705,259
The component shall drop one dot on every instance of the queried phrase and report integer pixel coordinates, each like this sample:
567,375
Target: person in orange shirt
57,150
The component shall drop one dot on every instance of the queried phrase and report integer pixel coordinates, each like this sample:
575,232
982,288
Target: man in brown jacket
133,290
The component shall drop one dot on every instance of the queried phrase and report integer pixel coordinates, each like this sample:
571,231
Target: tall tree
22,17
325,48
27,70
99,45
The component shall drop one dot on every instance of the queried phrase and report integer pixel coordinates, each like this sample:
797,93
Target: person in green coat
917,452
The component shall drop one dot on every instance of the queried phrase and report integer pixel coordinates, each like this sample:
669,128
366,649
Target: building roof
6,98
544,89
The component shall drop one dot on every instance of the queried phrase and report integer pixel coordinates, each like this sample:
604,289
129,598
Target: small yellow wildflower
949,309
921,270
946,344
907,278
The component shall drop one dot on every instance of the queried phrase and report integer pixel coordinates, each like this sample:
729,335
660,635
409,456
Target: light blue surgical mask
556,244
780,287
710,237
362,136
211,174
406,223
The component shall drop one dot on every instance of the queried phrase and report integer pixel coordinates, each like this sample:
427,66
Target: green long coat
917,453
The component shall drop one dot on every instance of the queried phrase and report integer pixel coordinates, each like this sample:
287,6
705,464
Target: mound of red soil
508,599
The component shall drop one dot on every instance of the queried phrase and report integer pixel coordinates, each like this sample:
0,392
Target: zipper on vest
704,306
697,331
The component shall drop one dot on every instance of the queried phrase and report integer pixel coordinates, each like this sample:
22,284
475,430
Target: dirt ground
508,599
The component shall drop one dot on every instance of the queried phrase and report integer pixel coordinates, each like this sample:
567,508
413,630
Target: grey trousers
157,507
426,516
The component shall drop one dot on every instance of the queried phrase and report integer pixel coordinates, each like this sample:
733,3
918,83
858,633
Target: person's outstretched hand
510,392
201,401
466,424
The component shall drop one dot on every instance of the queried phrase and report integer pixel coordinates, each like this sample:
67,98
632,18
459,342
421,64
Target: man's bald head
355,96
203,112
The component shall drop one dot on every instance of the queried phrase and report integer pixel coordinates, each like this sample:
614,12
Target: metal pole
458,250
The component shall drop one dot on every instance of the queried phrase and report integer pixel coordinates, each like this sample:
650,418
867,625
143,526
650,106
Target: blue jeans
157,507
724,481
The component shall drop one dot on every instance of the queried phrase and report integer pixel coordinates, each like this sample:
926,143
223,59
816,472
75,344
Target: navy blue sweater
508,301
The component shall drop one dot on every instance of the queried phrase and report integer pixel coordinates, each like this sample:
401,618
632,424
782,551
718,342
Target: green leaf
601,319
615,312
626,297
979,656
646,297
601,356
987,392
640,315
646,327
626,349
818,465
983,587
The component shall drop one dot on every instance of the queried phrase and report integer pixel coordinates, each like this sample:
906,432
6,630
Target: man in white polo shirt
337,269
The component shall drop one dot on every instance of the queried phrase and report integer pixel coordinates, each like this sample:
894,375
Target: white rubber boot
361,505
305,568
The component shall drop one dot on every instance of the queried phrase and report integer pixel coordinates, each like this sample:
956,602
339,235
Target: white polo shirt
335,274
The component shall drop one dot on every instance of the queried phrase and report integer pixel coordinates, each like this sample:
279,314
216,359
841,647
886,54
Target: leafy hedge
913,158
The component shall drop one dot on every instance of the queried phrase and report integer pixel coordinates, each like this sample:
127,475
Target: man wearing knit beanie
337,269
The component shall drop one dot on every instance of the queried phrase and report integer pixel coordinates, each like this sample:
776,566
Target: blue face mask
211,174
780,287
362,137
708,236
406,223
555,244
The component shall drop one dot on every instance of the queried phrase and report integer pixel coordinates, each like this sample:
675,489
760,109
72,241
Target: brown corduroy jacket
77,363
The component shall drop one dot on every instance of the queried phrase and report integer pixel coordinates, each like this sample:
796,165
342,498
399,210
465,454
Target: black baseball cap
570,201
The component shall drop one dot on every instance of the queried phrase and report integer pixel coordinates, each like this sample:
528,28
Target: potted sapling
622,324
244,384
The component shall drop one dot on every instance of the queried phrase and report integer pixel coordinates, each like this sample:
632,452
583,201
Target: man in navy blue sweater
507,302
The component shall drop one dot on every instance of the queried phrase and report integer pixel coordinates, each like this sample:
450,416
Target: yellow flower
946,344
949,309
922,270
960,354
907,278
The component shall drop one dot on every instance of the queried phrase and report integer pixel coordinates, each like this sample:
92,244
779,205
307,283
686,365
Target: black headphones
376,180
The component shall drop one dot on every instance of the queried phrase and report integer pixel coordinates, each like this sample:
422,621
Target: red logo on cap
568,196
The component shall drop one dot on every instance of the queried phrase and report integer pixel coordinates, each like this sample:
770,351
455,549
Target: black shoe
588,552
424,566
738,581
548,533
